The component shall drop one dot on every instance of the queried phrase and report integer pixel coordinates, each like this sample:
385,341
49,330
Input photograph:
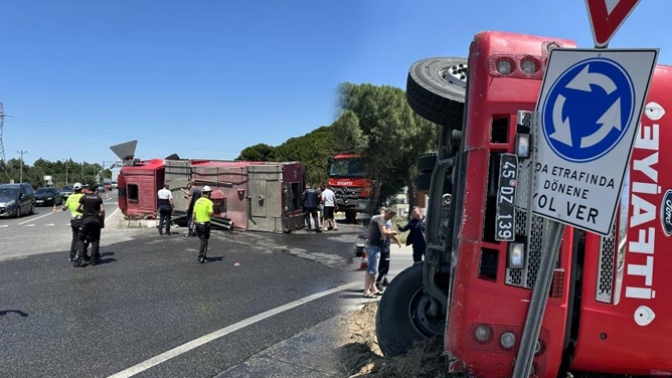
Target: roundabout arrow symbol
584,79
563,132
611,119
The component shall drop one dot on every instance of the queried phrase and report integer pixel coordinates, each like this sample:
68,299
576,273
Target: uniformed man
75,218
203,210
165,208
93,216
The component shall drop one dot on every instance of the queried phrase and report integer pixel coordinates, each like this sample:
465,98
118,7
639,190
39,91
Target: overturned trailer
257,196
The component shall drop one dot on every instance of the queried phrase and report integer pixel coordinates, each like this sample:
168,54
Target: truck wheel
403,314
426,162
351,216
436,90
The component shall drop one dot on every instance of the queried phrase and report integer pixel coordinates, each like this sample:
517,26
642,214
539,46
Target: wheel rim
456,75
419,311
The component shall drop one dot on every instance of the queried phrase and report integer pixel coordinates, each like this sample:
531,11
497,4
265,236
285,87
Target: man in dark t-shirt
93,215
310,202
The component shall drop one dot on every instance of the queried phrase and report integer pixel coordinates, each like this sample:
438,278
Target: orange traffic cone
54,211
363,264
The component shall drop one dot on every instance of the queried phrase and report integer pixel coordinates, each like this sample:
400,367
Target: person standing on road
203,210
376,234
384,264
75,218
165,208
417,235
329,201
310,201
194,195
93,218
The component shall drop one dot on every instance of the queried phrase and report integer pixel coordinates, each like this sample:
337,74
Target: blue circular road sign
588,110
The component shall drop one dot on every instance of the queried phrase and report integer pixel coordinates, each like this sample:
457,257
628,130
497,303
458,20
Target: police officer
203,210
75,218
93,215
310,202
165,208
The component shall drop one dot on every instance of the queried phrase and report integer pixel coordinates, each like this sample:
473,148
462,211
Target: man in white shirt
329,201
165,208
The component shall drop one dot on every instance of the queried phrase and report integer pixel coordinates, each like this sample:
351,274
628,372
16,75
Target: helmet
77,186
207,189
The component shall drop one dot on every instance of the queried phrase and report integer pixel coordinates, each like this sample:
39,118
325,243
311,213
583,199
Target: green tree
258,152
395,136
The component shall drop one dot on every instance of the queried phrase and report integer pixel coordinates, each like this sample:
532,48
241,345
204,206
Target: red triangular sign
606,16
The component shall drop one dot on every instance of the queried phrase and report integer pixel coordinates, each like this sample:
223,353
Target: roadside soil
361,357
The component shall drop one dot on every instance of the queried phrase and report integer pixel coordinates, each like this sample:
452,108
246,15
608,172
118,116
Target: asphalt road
149,309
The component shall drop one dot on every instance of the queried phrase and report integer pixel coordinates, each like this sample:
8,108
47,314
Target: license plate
506,216
39,201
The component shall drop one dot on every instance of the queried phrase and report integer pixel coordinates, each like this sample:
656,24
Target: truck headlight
516,255
523,146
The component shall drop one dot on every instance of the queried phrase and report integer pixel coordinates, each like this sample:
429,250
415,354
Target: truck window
133,193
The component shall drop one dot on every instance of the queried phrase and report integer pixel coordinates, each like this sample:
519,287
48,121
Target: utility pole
21,165
66,173
2,119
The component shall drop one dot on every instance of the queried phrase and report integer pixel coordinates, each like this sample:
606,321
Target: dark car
16,200
48,196
67,190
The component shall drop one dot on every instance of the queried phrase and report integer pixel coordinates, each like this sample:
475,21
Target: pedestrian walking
194,195
203,210
165,208
93,218
310,201
417,235
329,201
377,232
384,264
75,218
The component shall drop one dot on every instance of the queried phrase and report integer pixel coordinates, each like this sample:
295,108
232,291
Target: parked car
48,196
114,185
108,186
16,200
67,190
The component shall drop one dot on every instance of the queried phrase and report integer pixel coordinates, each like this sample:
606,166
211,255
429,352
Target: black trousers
165,215
307,213
203,232
190,221
90,229
384,264
75,224
418,252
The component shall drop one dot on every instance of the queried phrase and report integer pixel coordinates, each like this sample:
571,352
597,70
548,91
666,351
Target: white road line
163,357
110,216
29,225
4,225
34,219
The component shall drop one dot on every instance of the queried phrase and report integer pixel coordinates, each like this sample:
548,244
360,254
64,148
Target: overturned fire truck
255,196
608,308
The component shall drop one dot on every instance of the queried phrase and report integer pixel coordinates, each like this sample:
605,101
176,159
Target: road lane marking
110,216
34,219
163,357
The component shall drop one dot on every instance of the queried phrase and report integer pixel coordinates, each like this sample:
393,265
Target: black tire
399,321
436,90
32,209
427,162
350,216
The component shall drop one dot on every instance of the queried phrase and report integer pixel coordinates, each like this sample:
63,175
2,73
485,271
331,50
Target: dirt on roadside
361,357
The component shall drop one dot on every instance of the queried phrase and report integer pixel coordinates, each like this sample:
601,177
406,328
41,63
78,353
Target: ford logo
666,213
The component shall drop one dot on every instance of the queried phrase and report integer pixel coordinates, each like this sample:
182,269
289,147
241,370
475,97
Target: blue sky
206,79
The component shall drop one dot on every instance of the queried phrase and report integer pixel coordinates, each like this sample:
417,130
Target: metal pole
21,165
535,313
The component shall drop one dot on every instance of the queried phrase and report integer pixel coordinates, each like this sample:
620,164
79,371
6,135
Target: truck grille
527,276
605,268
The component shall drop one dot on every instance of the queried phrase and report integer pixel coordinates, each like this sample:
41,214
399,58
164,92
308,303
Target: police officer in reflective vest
75,218
165,208
203,210
93,216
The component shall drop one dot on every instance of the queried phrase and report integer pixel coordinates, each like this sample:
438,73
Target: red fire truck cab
608,310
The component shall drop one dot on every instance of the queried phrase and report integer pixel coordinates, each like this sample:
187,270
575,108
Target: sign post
584,128
606,17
